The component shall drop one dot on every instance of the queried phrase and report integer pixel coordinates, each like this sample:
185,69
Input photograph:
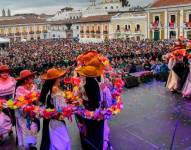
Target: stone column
181,22
166,24
148,25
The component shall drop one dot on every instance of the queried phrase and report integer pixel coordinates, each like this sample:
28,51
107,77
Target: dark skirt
92,139
184,77
45,142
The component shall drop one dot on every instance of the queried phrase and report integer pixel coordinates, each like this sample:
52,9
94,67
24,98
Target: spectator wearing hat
26,133
7,89
55,135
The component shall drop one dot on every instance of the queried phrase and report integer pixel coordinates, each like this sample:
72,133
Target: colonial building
169,19
64,24
64,29
23,28
129,24
95,28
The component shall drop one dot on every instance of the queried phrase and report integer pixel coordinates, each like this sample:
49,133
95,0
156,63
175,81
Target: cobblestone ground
147,121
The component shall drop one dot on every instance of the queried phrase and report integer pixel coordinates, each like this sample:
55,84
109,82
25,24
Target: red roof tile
161,3
22,21
100,18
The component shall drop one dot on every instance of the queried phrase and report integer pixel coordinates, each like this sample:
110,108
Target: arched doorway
172,34
156,35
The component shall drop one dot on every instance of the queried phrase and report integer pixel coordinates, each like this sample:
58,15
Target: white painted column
181,22
148,26
166,24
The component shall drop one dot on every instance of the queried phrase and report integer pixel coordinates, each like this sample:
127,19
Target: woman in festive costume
7,90
186,91
173,78
95,92
26,129
90,92
55,134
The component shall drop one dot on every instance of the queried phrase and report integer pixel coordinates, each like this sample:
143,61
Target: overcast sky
50,6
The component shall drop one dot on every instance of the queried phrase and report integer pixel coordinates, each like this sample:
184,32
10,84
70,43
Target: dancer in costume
55,134
26,128
102,98
7,90
91,95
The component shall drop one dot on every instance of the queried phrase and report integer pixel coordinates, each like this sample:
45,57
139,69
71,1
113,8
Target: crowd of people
124,55
94,92
44,57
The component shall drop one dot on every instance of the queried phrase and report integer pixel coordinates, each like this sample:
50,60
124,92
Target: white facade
67,14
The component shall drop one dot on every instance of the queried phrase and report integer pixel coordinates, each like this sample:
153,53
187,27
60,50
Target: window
111,7
105,28
105,7
157,19
173,18
118,27
129,27
117,7
98,28
138,27
77,27
189,18
126,28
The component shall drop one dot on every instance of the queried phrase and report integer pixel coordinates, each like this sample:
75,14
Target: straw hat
53,74
87,56
4,68
89,71
25,74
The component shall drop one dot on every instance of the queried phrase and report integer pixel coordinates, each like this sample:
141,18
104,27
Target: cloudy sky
50,6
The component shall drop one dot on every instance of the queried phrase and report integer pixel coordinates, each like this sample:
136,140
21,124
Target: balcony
92,31
31,32
87,31
127,31
155,25
81,31
105,32
45,31
187,25
10,34
38,32
18,34
138,31
172,25
117,31
98,32
24,33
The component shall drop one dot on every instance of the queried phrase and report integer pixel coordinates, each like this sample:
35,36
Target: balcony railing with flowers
87,31
82,31
31,32
38,32
187,25
155,25
98,32
92,31
17,33
171,25
105,32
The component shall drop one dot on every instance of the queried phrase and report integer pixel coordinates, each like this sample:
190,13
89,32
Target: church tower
3,13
